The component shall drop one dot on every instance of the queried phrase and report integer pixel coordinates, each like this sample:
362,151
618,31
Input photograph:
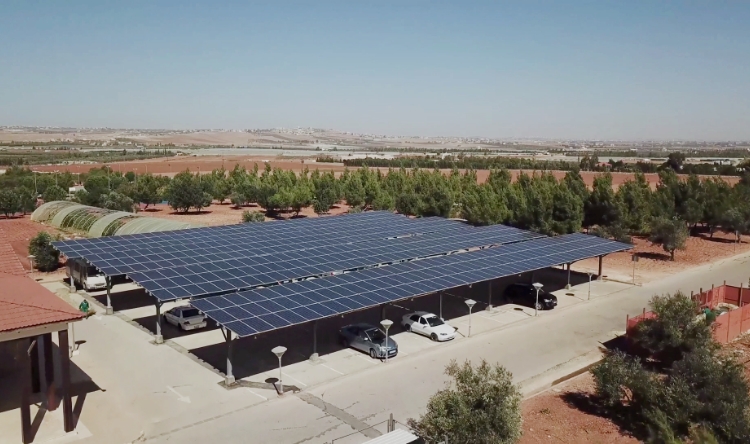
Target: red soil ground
173,165
549,418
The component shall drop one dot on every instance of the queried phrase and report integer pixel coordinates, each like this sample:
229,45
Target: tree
482,206
185,191
634,197
671,234
10,203
253,216
325,191
27,199
480,406
148,190
221,187
674,330
54,193
602,207
733,221
674,161
567,211
46,258
117,201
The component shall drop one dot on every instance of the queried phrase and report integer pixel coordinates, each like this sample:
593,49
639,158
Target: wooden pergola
29,315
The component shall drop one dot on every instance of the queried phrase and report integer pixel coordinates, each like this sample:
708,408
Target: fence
728,325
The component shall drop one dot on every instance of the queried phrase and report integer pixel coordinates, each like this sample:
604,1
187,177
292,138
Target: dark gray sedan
369,339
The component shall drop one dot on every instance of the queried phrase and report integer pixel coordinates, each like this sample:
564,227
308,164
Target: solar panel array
264,237
128,262
243,272
256,311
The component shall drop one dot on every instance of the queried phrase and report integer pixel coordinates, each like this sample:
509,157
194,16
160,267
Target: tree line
675,161
678,206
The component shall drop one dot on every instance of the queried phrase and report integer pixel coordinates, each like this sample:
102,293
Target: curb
556,375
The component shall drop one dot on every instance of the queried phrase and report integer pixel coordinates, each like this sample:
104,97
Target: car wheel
434,337
344,342
539,306
407,327
372,354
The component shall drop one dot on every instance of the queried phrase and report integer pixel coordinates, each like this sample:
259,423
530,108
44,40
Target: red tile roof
9,262
25,303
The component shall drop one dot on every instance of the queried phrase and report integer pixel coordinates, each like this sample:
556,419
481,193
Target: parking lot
256,367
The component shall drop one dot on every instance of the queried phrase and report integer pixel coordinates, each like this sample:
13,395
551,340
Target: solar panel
117,261
404,280
266,237
247,272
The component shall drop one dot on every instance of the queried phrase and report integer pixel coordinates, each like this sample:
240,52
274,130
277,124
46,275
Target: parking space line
331,369
357,354
294,379
259,396
487,317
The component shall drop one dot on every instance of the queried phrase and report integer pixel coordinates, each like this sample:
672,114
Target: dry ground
203,164
550,416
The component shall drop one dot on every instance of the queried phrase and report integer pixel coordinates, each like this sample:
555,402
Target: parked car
429,325
369,339
525,294
87,276
186,318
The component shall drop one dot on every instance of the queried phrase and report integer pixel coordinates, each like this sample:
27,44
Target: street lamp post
386,323
590,274
470,303
537,286
279,352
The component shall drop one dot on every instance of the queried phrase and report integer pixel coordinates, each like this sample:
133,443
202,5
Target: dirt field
549,418
204,164
653,262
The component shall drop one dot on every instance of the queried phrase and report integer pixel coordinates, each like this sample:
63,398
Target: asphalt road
403,386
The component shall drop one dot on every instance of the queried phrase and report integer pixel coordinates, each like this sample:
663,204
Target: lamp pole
279,352
537,286
470,303
590,274
386,323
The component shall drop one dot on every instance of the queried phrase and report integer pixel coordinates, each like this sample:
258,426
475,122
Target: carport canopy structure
365,260
247,313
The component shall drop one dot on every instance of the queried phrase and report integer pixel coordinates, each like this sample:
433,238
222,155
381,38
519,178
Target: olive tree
481,405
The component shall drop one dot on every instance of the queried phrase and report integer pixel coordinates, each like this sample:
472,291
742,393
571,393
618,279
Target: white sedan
186,318
429,325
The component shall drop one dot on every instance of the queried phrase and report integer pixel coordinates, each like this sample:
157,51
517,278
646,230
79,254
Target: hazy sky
552,69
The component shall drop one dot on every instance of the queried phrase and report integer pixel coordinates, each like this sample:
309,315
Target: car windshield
434,321
375,335
93,271
190,312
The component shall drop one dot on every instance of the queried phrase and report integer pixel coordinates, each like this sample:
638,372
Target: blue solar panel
399,281
260,238
336,258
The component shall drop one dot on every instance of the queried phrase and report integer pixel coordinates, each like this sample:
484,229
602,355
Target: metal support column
489,295
382,312
230,349
314,357
62,336
36,377
441,305
72,284
599,276
567,287
158,338
25,390
110,310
